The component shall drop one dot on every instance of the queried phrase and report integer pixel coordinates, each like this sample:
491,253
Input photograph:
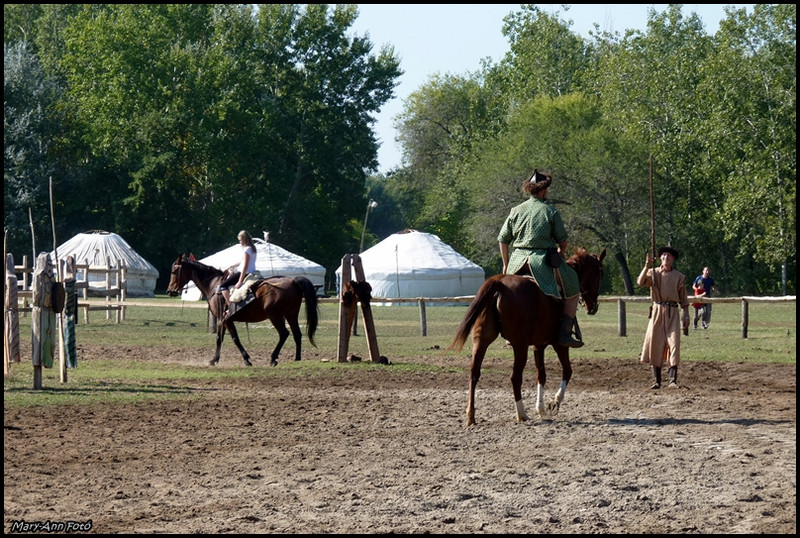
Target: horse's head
590,274
179,276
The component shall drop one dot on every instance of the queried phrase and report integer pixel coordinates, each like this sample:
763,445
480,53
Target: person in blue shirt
706,282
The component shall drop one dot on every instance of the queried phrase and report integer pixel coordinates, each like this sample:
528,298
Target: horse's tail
312,306
484,299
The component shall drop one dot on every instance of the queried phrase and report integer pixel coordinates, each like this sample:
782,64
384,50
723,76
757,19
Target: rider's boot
226,295
673,377
565,335
656,378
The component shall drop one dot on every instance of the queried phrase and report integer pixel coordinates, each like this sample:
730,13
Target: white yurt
413,264
98,249
271,260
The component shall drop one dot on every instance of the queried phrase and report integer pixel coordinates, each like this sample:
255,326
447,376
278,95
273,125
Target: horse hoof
273,363
213,362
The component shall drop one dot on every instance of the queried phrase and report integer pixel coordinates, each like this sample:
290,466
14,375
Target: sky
434,39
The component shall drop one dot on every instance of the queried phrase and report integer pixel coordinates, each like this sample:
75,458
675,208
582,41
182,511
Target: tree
441,125
323,86
29,125
545,59
231,121
597,179
750,138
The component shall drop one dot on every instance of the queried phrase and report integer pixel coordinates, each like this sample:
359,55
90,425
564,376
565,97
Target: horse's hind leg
520,360
541,380
478,353
484,333
566,374
298,337
283,334
235,338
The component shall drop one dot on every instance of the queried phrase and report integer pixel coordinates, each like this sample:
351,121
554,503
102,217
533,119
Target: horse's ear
179,259
192,258
602,255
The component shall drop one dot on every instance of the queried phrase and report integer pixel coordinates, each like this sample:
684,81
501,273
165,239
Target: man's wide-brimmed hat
669,249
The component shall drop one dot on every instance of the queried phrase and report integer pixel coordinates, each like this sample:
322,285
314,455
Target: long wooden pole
62,363
33,236
6,350
652,213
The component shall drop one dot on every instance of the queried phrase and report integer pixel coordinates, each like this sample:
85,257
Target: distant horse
515,307
277,299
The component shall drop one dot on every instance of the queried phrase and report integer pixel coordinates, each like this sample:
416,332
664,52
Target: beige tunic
43,319
11,350
662,342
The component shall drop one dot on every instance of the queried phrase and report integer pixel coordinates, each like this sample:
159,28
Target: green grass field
771,339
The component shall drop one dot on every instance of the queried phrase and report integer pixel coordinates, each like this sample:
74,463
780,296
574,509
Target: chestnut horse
277,299
513,306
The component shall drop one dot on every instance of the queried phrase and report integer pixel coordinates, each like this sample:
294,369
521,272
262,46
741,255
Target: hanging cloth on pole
11,350
43,318
70,314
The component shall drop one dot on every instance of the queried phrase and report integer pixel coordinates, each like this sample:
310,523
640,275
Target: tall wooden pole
652,213
62,363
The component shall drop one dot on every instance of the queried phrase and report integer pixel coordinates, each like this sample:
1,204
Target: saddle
243,295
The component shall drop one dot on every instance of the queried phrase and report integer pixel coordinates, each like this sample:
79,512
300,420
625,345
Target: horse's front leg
220,338
566,375
235,338
541,380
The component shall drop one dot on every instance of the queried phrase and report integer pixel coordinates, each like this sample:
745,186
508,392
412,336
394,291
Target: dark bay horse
513,306
278,299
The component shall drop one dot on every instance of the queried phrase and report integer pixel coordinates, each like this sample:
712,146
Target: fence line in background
621,301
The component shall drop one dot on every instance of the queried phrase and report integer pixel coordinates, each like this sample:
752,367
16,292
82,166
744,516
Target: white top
249,260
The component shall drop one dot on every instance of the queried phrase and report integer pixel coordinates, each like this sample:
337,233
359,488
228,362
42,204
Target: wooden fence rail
621,311
621,301
118,291
423,302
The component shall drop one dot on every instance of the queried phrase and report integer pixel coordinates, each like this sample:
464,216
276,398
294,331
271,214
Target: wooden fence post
621,318
745,316
345,300
366,311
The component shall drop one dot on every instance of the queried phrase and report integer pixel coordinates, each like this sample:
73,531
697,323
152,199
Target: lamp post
372,204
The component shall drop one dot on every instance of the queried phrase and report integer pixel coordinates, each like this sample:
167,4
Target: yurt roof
271,260
98,246
418,264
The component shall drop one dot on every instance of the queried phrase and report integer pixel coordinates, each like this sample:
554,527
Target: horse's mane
578,255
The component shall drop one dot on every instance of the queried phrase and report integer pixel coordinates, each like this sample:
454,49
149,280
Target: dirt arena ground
388,452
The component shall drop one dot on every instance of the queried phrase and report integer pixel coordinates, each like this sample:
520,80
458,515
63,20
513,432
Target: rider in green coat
530,229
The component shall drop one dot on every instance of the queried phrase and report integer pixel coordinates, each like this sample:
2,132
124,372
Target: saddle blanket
240,293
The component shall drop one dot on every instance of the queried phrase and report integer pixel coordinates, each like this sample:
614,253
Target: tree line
178,125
